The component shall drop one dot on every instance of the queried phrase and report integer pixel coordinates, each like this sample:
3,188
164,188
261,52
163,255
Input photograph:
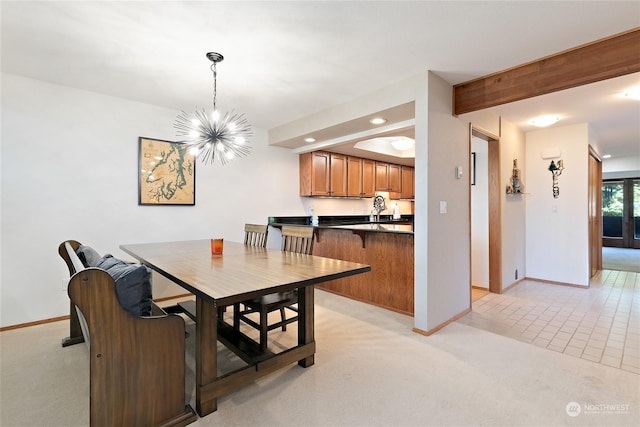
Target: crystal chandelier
214,136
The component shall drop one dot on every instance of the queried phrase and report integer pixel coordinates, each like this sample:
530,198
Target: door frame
595,211
495,207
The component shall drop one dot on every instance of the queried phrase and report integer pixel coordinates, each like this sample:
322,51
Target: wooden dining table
242,272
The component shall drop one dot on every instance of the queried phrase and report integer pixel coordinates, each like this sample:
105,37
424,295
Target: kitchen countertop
386,224
376,227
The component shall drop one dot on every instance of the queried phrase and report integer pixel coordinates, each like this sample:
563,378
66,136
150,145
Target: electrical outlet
65,284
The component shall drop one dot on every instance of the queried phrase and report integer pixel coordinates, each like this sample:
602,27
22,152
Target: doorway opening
621,213
485,213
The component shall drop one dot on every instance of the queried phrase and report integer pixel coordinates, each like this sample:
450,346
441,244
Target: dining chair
254,235
294,239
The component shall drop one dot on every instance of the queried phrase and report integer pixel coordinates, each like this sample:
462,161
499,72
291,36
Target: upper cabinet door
368,178
354,177
395,183
338,169
315,174
382,176
408,185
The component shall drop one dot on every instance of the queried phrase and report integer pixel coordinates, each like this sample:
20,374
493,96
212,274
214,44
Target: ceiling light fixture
606,156
211,135
544,121
402,143
310,139
377,121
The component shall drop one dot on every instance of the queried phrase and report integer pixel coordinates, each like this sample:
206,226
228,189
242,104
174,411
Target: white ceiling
286,60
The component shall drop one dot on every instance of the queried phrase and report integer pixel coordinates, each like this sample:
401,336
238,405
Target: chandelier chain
215,91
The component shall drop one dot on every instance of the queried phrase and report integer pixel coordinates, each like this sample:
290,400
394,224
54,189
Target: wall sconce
556,171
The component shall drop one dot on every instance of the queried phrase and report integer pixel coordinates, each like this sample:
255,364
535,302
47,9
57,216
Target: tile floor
601,324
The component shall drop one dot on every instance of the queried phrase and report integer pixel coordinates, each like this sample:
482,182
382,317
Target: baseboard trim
552,282
58,319
442,325
173,297
35,323
517,282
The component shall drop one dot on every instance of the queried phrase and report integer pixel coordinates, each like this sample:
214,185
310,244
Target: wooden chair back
297,239
255,235
64,254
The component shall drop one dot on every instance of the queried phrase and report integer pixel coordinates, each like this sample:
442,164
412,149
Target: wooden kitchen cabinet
368,178
382,176
315,173
338,171
388,178
408,182
323,174
354,177
338,175
395,181
360,177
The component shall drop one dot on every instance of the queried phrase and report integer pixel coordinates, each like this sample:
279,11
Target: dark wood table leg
75,330
206,353
306,322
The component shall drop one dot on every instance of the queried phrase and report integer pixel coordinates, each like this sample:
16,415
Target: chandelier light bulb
210,133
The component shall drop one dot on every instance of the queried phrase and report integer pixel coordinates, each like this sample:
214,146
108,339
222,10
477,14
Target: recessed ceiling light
543,121
309,139
377,121
633,93
606,156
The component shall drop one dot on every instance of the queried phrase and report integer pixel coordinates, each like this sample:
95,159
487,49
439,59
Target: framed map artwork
166,173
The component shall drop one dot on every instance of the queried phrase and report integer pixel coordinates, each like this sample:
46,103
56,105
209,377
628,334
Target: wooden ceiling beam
603,59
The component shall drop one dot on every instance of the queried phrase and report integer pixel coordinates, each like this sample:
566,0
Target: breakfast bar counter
387,246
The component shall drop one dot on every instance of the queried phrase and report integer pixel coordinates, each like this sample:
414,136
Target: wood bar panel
390,282
607,58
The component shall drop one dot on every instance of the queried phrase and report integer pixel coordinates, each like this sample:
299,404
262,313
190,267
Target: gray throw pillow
133,284
88,256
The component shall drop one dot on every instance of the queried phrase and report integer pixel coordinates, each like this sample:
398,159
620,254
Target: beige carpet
621,259
370,370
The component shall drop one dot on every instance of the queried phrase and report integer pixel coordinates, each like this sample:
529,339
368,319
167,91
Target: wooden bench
137,366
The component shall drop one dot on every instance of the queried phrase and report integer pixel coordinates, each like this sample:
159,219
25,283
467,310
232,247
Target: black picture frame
166,173
473,168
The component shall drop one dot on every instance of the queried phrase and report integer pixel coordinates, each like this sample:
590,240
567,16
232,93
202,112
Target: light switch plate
458,172
443,207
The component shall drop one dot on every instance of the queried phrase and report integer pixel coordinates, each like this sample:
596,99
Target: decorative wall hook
556,171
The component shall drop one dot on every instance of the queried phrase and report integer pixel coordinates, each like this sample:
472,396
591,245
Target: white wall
69,171
449,245
514,213
480,215
557,229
